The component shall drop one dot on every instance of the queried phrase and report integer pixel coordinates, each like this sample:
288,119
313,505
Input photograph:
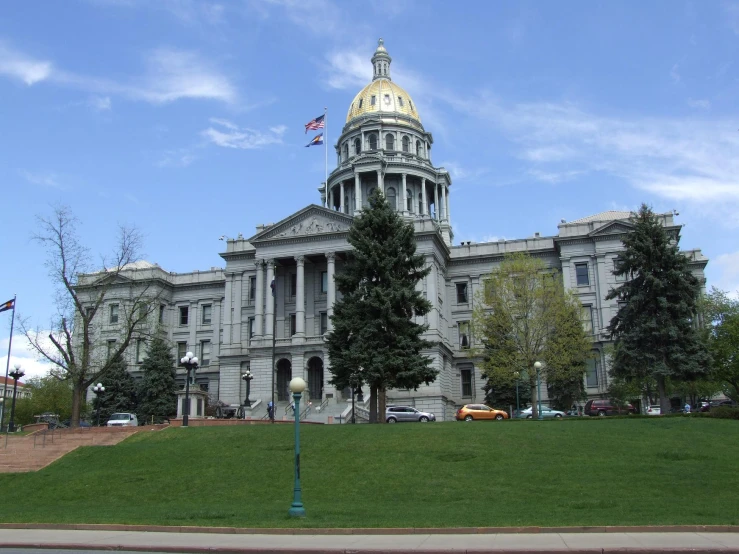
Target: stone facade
278,285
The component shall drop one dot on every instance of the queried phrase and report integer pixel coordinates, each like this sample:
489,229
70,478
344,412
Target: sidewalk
382,541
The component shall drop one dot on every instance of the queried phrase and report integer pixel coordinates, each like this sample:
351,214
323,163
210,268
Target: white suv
123,420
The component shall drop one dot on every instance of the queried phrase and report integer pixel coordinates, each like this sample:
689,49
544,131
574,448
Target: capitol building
228,317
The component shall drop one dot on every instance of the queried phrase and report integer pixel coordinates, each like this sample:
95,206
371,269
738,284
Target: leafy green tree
654,329
721,314
120,391
524,315
157,391
374,325
48,394
501,394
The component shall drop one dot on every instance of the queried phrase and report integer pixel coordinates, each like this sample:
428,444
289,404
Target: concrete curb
377,530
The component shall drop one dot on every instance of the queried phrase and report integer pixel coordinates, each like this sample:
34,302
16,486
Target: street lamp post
356,384
297,386
247,377
98,390
517,375
16,374
191,363
537,367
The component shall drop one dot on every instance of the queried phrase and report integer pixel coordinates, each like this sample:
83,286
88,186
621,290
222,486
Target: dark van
607,407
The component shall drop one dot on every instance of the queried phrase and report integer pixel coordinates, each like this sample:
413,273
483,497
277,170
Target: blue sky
186,118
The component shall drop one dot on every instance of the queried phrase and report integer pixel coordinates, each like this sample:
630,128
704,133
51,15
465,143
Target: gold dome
388,97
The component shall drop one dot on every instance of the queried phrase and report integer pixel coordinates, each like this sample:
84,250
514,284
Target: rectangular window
619,278
111,348
586,316
324,322
400,101
252,288
461,293
252,323
199,407
181,351
293,323
205,352
464,334
207,314
113,313
581,272
161,313
373,100
466,375
184,315
591,373
140,351
293,285
324,282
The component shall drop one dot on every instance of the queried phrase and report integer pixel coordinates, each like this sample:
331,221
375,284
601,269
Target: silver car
398,414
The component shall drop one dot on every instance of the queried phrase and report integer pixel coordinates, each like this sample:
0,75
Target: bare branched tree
83,342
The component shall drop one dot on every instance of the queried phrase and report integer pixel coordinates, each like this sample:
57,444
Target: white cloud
554,176
25,356
674,74
729,279
36,178
233,136
699,104
19,66
182,157
460,173
170,75
320,17
348,69
100,103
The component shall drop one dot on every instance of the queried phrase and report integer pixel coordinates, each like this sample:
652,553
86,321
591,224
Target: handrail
323,405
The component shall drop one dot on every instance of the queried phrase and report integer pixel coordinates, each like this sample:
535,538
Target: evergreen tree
120,392
654,330
158,389
375,338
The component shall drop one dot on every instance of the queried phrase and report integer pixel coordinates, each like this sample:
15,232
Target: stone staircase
23,453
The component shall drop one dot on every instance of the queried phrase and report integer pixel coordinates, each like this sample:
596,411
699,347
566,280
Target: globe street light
516,374
356,382
191,363
247,377
297,386
537,367
16,374
98,390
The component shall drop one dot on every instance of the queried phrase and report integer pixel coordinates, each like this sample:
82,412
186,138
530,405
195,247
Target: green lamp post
297,386
537,367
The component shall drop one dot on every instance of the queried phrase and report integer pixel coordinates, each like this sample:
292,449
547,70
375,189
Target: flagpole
325,143
7,365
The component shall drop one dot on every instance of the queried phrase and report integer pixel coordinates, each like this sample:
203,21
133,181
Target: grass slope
576,472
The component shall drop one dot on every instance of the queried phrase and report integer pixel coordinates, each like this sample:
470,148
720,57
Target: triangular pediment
612,228
312,220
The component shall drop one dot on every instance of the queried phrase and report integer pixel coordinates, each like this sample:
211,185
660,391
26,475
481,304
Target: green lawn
551,473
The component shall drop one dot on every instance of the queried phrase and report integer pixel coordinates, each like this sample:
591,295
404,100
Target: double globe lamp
191,363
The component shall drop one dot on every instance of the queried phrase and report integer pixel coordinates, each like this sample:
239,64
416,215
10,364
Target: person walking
687,408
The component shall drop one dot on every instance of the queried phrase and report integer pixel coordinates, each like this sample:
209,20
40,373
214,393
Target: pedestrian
687,408
292,406
271,409
307,410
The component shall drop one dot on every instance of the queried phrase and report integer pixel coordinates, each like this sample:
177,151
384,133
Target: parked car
123,420
397,414
654,410
608,407
721,403
546,412
470,412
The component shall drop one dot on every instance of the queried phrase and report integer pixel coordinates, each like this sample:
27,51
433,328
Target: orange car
469,412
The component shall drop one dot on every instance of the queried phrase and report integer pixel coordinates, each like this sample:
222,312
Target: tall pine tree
120,391
158,388
373,323
654,332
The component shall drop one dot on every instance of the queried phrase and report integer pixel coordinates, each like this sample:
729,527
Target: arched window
345,152
409,200
372,141
406,144
419,148
357,146
389,142
391,198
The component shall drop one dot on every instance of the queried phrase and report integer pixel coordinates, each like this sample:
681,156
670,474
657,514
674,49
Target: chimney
536,235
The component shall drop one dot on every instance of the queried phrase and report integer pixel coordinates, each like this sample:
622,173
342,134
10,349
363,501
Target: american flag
316,123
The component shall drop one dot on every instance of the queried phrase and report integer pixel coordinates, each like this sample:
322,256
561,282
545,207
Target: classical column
239,298
404,207
331,293
216,340
432,296
227,309
443,201
380,181
446,207
300,297
424,204
437,211
341,200
192,322
357,193
269,316
259,308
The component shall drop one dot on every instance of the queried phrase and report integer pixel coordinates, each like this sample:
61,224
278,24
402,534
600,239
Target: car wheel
529,417
423,419
392,420
499,417
468,418
558,415
601,413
